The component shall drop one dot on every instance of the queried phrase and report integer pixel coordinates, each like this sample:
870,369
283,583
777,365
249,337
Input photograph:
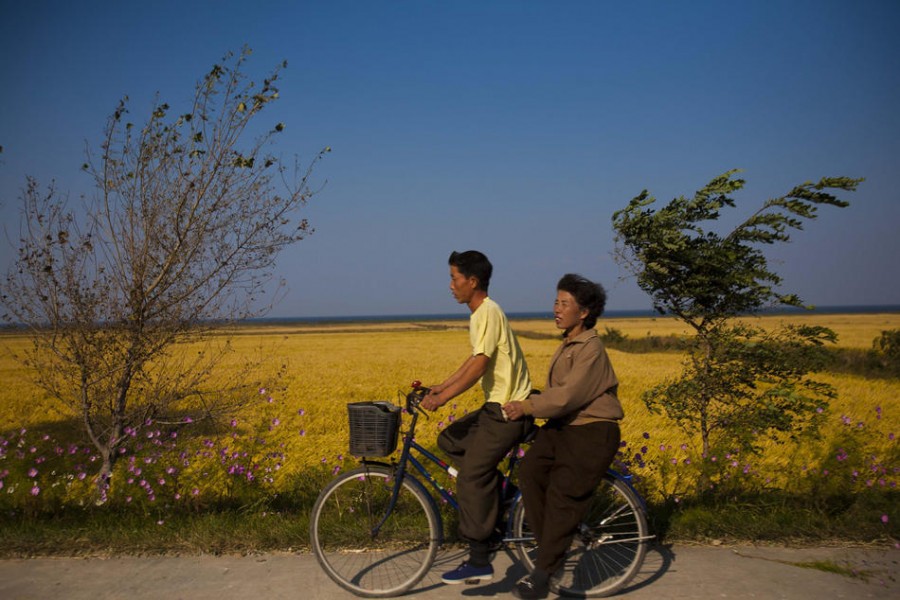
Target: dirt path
679,572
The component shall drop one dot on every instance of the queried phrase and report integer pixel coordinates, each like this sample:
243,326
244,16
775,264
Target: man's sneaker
529,589
466,573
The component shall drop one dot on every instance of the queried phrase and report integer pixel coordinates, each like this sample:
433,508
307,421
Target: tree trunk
105,473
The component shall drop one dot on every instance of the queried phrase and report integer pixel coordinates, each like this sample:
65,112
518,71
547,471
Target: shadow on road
657,562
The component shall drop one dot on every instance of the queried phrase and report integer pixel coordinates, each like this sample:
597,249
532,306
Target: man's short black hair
589,296
473,263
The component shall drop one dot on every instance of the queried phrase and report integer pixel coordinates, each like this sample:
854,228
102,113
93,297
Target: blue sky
515,128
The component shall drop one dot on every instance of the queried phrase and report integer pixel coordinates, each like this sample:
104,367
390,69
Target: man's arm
436,389
465,377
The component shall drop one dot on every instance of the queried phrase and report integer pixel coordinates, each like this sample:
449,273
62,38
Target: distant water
822,310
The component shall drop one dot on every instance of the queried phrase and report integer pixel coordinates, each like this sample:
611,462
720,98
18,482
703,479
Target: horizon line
645,312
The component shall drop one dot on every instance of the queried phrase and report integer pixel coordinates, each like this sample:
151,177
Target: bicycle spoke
608,548
385,562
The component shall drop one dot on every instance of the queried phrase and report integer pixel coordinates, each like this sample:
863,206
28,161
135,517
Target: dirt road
679,572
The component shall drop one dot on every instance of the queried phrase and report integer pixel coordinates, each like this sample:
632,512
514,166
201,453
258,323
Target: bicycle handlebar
415,397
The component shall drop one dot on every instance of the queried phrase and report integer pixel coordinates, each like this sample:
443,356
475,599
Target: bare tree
180,236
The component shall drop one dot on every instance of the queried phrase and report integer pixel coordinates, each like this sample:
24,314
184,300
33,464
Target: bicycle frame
408,458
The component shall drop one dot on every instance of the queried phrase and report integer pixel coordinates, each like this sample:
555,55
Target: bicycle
376,530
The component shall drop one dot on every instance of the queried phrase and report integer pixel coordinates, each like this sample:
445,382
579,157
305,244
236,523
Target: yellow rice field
328,366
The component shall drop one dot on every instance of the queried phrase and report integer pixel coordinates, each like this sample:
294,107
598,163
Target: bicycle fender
626,479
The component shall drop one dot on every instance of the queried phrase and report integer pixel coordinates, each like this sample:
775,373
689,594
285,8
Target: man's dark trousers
476,444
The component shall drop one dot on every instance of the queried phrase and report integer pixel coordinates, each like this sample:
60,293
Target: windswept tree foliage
739,382
886,351
181,235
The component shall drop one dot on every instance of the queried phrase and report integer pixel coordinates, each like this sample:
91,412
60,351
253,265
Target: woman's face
568,315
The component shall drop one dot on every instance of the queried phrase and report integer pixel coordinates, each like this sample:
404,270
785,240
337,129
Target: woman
576,446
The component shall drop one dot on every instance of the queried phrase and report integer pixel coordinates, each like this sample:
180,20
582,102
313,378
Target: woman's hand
514,410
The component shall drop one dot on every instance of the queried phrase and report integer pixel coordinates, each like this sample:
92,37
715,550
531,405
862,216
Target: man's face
461,287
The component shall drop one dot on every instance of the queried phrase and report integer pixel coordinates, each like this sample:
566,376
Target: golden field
328,366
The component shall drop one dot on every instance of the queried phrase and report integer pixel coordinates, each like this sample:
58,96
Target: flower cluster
859,455
191,465
154,464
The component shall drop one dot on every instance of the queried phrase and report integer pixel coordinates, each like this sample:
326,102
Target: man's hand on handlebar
433,400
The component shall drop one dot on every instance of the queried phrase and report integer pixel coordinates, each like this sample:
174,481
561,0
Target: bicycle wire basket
374,428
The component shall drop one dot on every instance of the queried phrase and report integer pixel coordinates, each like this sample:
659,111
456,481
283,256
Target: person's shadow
657,562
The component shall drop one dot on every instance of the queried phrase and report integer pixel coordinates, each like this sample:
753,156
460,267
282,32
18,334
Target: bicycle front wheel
609,545
371,563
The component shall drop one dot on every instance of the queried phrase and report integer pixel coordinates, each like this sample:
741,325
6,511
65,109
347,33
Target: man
479,441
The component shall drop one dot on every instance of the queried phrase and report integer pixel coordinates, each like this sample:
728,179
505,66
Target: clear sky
515,128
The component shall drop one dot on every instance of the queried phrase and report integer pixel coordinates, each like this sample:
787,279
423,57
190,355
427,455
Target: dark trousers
557,477
476,444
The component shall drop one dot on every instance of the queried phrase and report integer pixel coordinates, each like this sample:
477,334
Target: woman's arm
590,376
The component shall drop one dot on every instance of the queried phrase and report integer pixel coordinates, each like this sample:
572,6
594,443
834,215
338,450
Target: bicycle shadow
657,562
508,571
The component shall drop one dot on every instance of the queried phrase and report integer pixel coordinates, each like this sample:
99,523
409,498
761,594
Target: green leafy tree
886,351
739,382
181,235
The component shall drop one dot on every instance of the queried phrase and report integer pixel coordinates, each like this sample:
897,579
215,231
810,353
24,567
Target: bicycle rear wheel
609,546
389,562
